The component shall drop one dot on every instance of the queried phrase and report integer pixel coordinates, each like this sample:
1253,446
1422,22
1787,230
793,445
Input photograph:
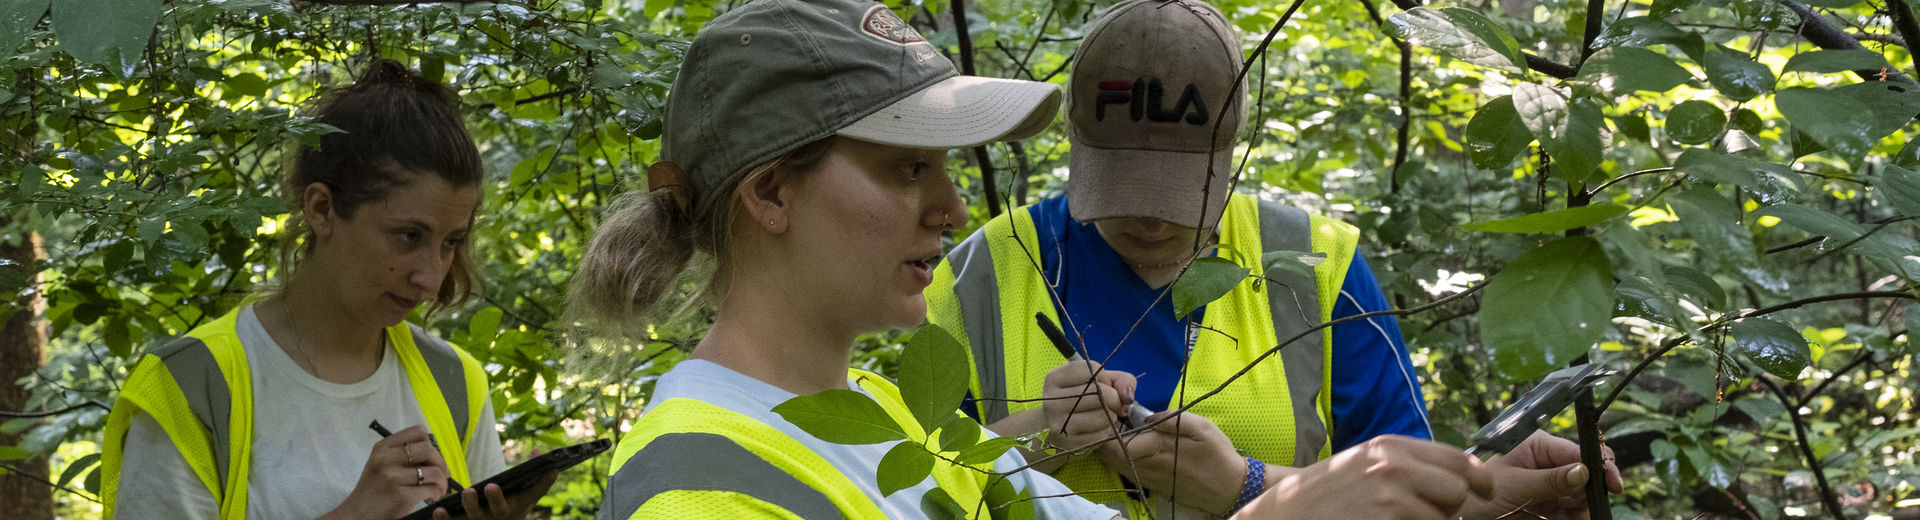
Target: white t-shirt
725,388
310,441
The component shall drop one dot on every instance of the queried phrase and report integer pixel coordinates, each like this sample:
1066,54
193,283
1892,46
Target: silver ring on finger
419,476
408,447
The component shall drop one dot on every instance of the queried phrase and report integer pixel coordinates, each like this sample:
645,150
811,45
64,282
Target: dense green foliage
1715,196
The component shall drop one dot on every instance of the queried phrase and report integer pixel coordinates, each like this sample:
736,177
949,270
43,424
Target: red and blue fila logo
1143,97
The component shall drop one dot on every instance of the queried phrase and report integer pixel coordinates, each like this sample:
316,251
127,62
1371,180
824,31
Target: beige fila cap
770,76
1145,96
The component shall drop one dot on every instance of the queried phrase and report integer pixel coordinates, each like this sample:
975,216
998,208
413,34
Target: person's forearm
1024,423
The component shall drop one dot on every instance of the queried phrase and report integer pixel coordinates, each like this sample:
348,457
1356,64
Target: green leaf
118,338
1296,261
1461,34
108,33
1550,221
1639,31
78,465
1909,155
1695,121
1890,106
93,481
1913,325
1712,221
1771,183
483,329
986,451
904,466
1637,297
1622,70
17,18
1547,307
1829,117
1704,290
937,505
1776,347
247,84
959,433
933,376
1206,280
1901,187
1009,502
841,416
1835,60
1570,133
1816,221
1735,76
13,453
1495,134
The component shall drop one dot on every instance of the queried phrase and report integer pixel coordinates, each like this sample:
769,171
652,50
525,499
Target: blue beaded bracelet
1256,481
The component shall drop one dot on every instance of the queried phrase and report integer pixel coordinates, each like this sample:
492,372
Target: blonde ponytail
641,247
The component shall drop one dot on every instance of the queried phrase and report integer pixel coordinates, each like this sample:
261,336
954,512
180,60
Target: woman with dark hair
264,411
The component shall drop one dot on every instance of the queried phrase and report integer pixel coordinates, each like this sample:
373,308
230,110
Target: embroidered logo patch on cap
881,23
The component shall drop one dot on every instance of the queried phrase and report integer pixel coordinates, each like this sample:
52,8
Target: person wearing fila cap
1155,103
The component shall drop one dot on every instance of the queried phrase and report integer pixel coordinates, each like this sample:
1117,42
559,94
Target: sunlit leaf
1495,134
1547,307
1835,60
986,451
1698,285
108,33
1832,118
933,376
1570,133
902,467
1550,221
1890,106
842,417
959,433
1638,31
1206,280
1735,76
1774,346
1296,261
1460,33
1695,121
1622,70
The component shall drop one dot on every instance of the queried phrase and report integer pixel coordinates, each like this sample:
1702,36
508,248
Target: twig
1604,185
1903,22
1676,341
980,155
1827,497
15,470
1862,359
51,413
1819,31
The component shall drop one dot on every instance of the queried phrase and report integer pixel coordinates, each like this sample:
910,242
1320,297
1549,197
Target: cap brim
1108,183
962,111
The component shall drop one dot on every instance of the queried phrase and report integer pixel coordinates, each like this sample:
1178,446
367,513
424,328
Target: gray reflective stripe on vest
1294,300
978,294
448,373
194,369
707,462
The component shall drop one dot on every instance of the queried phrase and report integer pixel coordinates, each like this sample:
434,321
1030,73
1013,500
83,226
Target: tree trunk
22,350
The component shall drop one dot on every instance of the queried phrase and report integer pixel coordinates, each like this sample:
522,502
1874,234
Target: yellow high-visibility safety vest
689,459
199,388
1279,412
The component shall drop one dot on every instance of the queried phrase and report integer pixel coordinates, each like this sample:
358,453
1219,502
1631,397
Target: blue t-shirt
1375,391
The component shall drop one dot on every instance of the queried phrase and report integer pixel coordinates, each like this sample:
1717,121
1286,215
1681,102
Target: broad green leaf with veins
1547,307
1206,280
841,416
1772,345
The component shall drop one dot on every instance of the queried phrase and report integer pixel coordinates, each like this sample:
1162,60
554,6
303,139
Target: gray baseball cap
1145,95
770,76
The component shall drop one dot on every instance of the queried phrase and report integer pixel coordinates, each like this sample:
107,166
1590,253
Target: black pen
382,430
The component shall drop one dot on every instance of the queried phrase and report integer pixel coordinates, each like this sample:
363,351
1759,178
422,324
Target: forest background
1714,197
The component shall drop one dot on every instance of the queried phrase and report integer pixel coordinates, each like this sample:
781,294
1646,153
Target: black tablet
521,476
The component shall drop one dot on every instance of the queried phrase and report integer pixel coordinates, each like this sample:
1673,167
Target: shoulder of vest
701,461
